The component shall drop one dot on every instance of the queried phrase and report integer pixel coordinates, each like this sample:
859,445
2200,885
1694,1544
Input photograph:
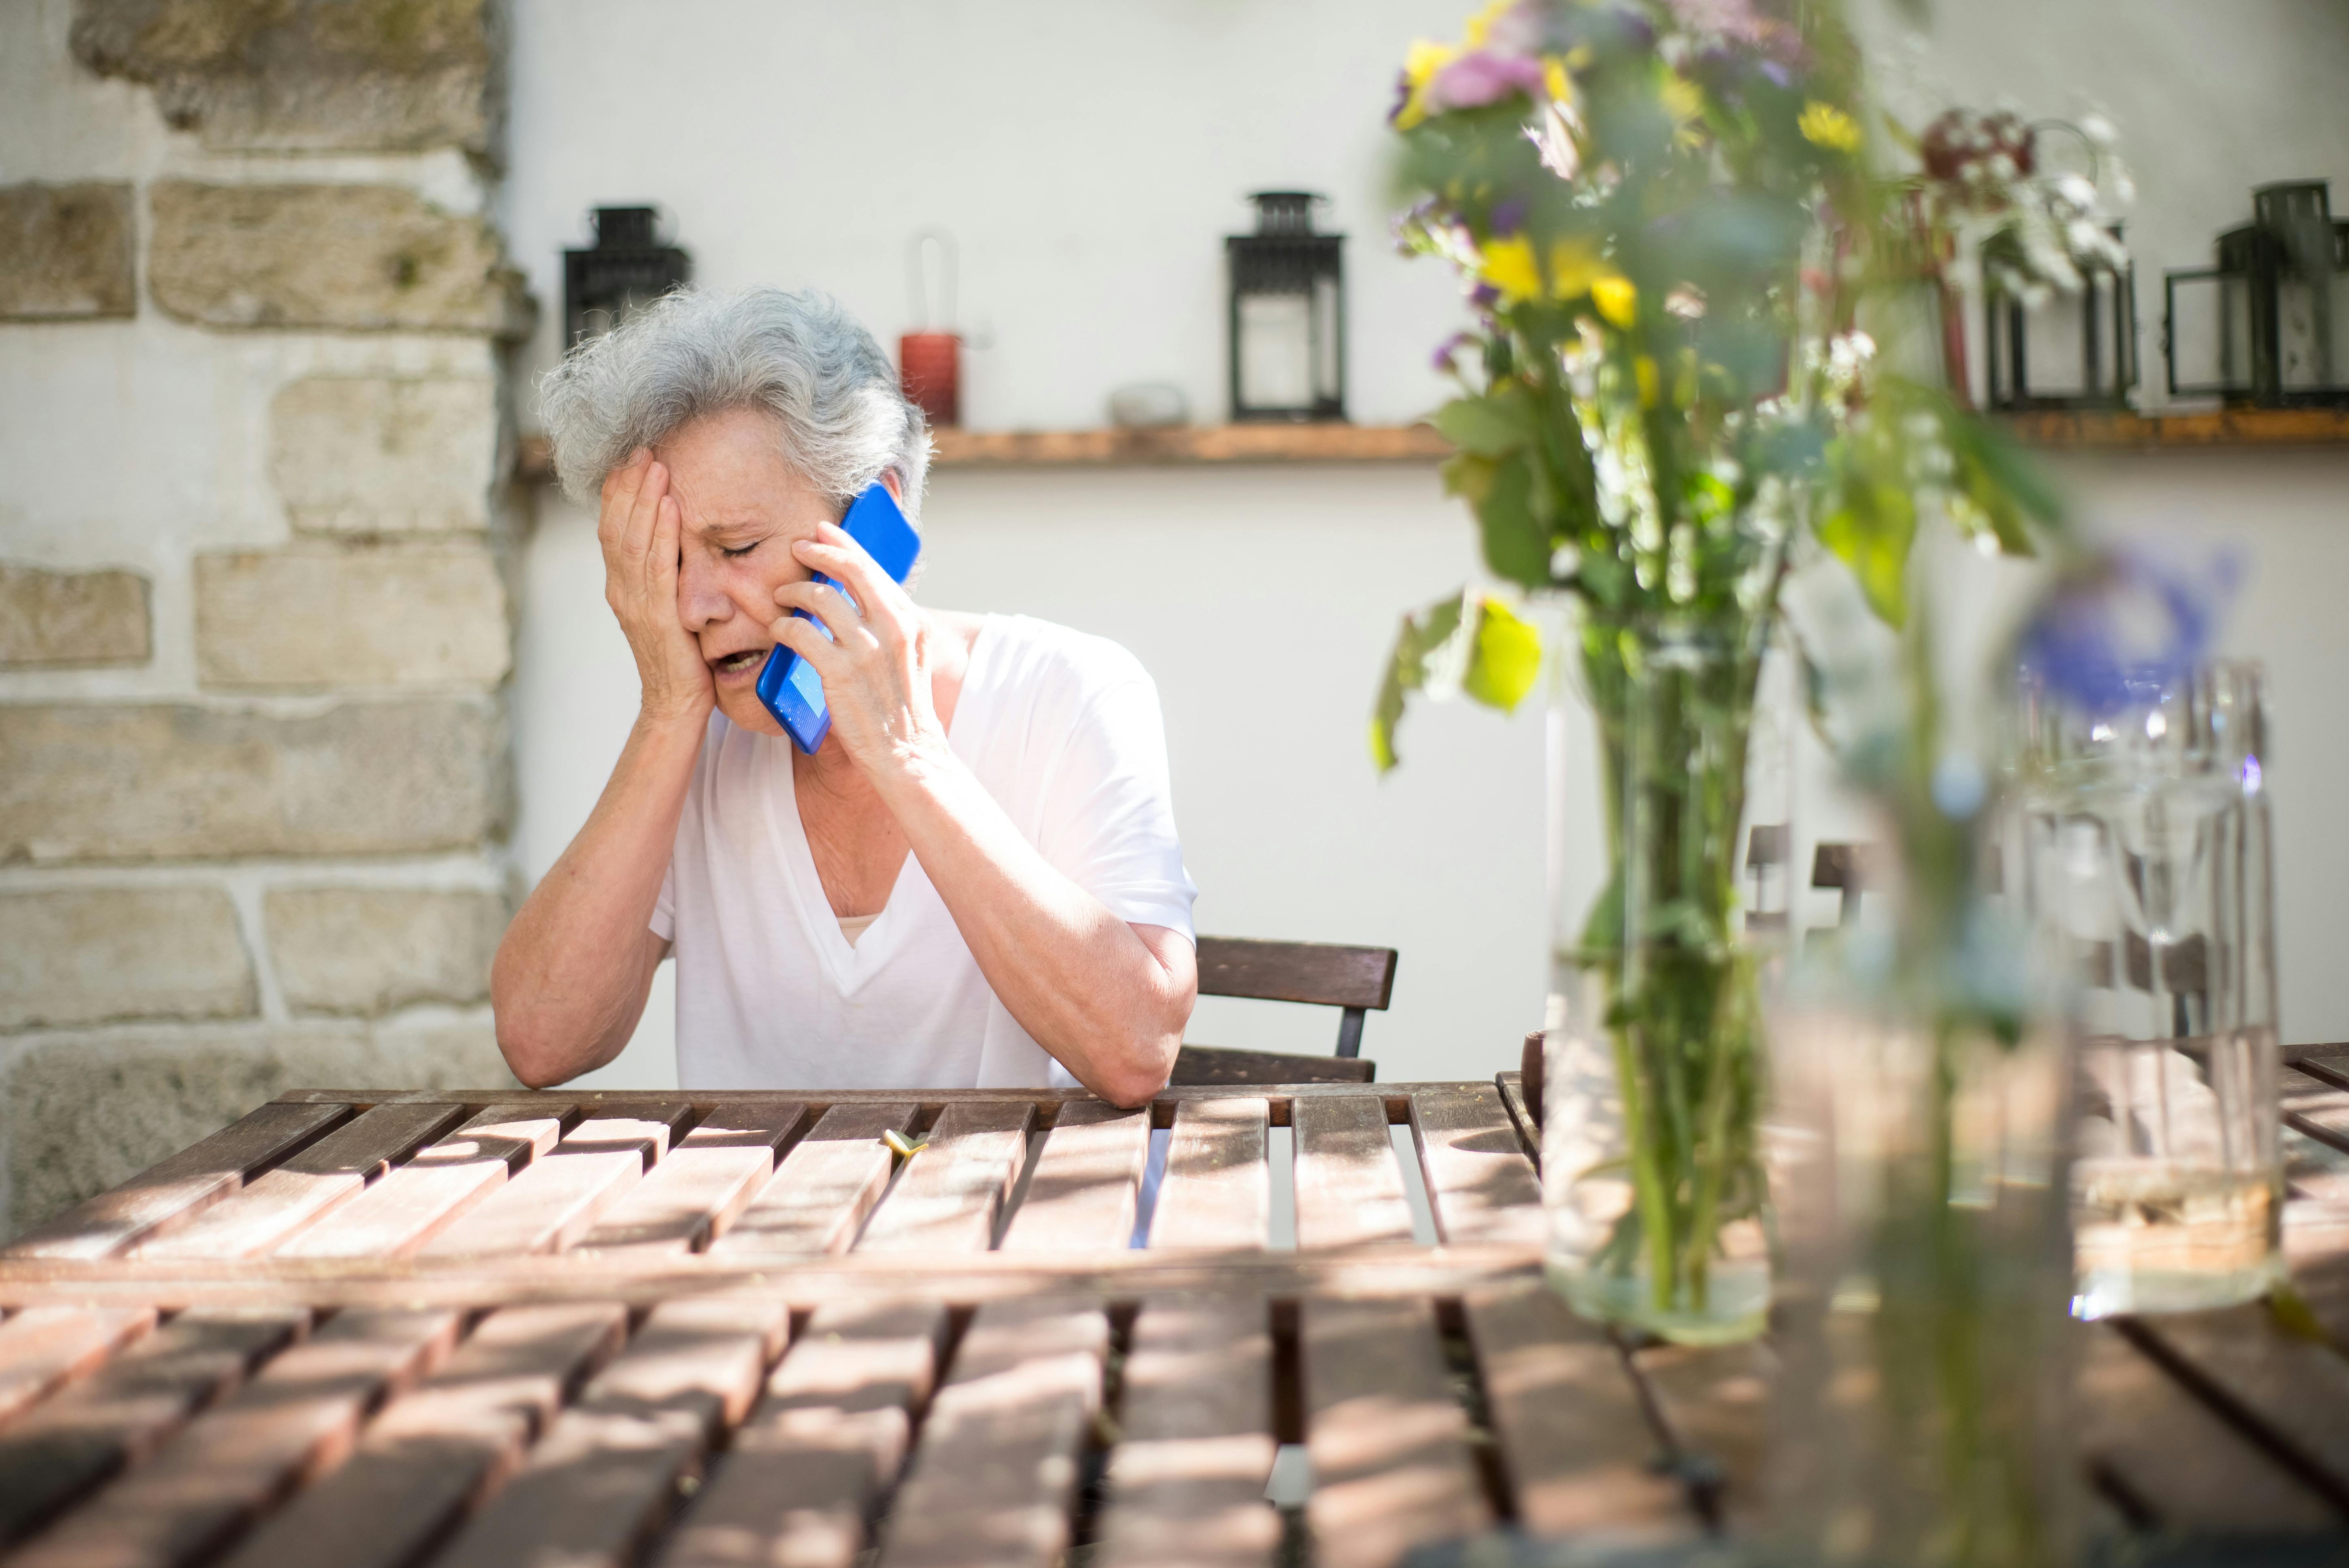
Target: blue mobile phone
789,687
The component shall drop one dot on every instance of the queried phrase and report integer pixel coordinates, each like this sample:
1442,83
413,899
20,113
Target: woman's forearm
571,975
1081,981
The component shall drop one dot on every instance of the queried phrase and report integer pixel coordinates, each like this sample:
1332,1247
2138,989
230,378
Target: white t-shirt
1064,731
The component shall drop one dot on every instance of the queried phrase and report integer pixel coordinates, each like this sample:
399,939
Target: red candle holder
929,366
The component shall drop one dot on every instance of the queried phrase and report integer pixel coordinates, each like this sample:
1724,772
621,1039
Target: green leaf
1870,534
1516,546
1406,673
1506,657
1492,425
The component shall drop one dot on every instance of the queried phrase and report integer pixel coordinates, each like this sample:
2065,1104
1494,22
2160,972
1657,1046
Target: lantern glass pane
2059,366
1277,357
2209,333
1328,374
2308,345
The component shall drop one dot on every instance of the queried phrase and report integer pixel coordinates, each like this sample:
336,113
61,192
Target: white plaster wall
1089,158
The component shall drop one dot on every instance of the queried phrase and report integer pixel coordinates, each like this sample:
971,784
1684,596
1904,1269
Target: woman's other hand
638,530
875,666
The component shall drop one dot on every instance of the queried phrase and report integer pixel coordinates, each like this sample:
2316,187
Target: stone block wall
255,597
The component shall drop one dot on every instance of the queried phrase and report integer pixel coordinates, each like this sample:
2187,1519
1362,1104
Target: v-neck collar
849,964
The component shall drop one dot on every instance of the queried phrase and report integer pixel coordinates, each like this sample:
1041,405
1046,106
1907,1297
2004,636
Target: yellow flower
1682,100
1419,68
1827,126
1617,299
1480,26
1509,267
1644,368
1555,81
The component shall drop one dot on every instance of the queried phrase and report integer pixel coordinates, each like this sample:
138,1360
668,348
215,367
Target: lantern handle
917,277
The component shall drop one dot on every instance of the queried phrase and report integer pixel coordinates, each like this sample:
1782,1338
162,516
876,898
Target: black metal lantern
2071,350
627,266
1288,317
2268,326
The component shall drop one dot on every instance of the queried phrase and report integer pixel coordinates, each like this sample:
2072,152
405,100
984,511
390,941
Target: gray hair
801,357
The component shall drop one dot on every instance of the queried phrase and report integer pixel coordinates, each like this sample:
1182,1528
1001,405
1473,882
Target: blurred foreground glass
1918,1181
2146,844
1653,1076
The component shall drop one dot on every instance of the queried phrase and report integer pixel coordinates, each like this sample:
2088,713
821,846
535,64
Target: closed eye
738,551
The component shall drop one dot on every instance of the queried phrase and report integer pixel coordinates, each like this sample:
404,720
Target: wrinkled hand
638,530
875,668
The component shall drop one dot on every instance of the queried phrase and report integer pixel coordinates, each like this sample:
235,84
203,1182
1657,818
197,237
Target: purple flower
1449,347
2127,625
1476,79
1484,296
1508,216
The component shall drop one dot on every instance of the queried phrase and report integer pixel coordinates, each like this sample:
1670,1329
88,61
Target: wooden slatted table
728,1329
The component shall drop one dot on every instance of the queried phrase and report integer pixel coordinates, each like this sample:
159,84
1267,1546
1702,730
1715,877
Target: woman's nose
700,601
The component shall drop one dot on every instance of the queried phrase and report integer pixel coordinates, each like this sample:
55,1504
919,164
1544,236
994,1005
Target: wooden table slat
47,1348
951,1194
611,1469
431,1454
74,1442
1392,1468
1523,1113
296,1418
2289,1394
802,1474
2171,1460
819,1197
1217,1189
703,1185
994,1474
1186,1483
1082,1192
1350,1186
175,1190
1575,1442
1480,1185
438,1186
307,1184
559,1199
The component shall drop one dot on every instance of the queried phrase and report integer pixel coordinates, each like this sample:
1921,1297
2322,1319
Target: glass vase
1669,762
2146,847
1921,1323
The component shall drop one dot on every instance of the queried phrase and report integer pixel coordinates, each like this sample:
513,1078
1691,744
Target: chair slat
207,1483
44,1348
802,1476
951,1194
1217,1190
437,1186
1224,1064
559,1198
1575,1443
818,1198
1187,1479
59,1452
311,1182
703,1185
1715,1404
1389,1441
1480,1185
2172,1461
1082,1192
175,1190
996,1470
607,1474
1348,1185
428,1456
1316,972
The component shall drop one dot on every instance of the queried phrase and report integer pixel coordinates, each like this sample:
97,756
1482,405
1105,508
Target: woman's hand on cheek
876,666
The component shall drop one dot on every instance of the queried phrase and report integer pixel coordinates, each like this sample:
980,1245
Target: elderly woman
974,880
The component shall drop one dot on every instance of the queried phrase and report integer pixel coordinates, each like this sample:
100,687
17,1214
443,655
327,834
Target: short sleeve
664,920
1109,809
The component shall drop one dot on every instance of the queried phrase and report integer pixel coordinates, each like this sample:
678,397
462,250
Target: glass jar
1670,847
2146,847
1921,1325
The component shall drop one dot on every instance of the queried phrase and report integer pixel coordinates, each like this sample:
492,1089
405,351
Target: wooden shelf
1421,444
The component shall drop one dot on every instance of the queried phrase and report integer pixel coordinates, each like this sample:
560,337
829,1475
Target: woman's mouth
738,664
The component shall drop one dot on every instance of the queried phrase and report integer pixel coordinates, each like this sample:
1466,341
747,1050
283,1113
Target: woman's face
743,506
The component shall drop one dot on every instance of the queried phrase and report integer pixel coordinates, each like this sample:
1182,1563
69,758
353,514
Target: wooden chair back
1351,979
